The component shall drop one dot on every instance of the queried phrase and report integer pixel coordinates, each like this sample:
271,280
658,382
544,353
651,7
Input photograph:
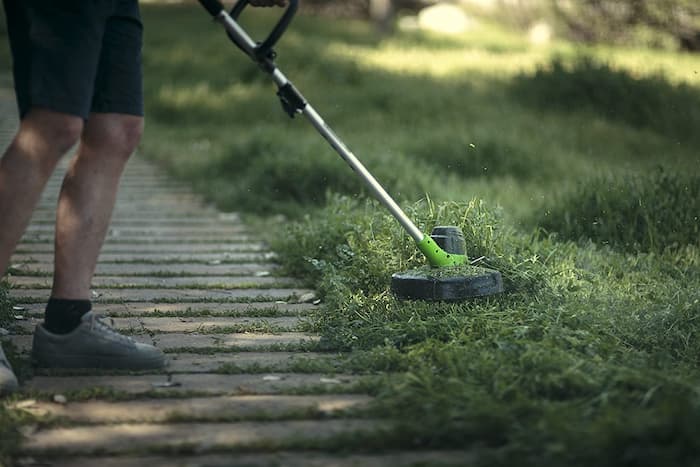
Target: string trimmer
450,276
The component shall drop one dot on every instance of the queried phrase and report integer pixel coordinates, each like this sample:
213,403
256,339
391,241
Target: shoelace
99,323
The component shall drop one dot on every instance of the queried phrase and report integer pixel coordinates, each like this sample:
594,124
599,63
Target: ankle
63,316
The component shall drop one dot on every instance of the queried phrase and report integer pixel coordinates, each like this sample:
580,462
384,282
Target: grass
590,356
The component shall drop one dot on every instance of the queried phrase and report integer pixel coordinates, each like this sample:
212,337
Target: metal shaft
379,192
248,45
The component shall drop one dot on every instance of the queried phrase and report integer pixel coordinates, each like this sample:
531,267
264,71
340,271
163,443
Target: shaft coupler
292,101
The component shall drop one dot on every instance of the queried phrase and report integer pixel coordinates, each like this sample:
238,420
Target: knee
128,134
121,134
67,133
50,134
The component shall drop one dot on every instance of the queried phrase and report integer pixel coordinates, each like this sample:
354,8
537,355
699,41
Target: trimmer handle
265,47
262,50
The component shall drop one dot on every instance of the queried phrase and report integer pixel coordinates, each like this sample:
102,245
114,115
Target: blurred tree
617,20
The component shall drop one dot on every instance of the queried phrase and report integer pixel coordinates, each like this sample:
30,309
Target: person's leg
72,336
87,199
43,137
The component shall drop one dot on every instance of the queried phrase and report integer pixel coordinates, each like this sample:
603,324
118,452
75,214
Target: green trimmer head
447,283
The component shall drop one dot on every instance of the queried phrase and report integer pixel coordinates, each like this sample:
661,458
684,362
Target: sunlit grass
201,94
437,63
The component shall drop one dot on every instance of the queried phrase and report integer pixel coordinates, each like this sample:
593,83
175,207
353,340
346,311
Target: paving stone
286,459
226,408
160,231
279,361
179,295
45,220
23,342
202,437
179,324
147,239
189,309
182,269
171,248
231,341
201,383
47,213
132,324
126,282
209,324
143,257
242,340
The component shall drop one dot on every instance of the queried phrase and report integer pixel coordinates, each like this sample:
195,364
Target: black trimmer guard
421,285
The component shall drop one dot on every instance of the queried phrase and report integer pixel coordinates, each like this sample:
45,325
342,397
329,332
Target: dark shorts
76,56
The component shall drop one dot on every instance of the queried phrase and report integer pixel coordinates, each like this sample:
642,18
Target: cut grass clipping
589,356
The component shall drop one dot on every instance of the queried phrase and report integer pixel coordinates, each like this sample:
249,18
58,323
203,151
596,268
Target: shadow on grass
588,85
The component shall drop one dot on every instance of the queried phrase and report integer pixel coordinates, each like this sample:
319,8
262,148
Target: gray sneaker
8,381
93,344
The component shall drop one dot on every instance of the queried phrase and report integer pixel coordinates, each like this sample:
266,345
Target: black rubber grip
214,7
265,47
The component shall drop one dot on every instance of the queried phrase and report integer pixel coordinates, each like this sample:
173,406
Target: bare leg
87,199
43,137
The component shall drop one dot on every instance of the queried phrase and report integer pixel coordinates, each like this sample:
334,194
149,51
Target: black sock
63,316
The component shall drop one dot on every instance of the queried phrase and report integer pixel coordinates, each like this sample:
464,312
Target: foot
8,381
93,344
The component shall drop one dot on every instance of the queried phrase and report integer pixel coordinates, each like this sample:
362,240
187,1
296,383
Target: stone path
247,383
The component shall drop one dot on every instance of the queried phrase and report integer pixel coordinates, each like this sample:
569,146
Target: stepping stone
182,269
128,282
210,324
177,385
146,257
181,324
23,342
233,341
230,363
202,437
175,341
162,231
171,248
219,409
245,361
175,295
190,309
